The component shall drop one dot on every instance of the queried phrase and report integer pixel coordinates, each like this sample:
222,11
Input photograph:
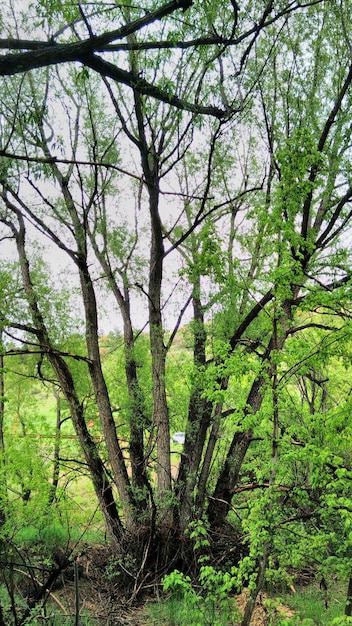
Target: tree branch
51,53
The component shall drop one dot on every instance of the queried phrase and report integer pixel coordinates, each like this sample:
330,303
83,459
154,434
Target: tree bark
137,418
199,415
219,504
79,228
208,456
102,396
2,442
56,458
150,166
348,608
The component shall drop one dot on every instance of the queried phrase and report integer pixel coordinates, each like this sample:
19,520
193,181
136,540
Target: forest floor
102,600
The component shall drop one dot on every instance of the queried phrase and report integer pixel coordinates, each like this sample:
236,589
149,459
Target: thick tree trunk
348,608
137,423
157,347
208,456
137,418
219,504
2,443
150,165
160,408
199,416
101,394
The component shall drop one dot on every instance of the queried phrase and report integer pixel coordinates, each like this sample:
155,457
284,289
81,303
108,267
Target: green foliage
210,605
197,531
207,601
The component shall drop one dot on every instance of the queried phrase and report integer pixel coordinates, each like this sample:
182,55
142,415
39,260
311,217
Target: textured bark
219,504
208,456
157,347
137,423
2,445
160,408
199,415
348,608
96,468
137,418
79,229
102,396
150,165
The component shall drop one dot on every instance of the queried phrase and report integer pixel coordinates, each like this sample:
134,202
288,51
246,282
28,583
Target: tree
239,219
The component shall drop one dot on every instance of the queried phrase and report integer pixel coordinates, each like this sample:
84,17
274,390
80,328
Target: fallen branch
50,593
252,486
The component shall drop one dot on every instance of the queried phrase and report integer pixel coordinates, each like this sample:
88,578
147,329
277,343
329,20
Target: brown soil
261,613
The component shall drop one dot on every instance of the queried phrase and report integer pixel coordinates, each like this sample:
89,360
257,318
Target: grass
175,612
309,603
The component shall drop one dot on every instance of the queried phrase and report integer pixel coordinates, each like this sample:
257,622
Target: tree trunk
96,467
137,418
2,443
219,504
102,396
160,408
199,415
208,456
249,608
79,229
348,608
157,347
97,471
56,459
266,548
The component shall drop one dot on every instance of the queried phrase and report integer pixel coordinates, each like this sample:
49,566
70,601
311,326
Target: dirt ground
261,614
100,596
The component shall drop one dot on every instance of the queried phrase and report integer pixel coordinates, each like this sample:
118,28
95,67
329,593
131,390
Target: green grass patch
309,605
180,612
318,607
